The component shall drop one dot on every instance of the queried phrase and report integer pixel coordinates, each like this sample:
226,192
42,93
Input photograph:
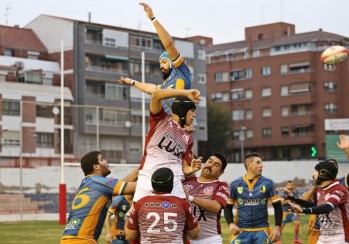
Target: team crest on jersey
124,207
240,189
263,189
208,191
237,241
266,241
188,187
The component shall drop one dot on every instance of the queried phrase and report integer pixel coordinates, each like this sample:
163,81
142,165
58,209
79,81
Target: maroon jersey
161,219
166,145
215,190
334,226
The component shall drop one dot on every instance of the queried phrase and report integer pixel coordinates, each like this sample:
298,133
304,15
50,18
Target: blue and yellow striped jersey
251,199
90,205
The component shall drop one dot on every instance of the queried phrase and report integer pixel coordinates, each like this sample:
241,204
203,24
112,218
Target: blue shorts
251,237
289,217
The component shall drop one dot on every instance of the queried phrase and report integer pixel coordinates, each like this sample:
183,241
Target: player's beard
105,171
165,73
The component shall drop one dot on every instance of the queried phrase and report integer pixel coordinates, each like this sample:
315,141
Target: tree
218,131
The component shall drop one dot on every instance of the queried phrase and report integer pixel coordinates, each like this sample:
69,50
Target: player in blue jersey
119,207
251,194
89,207
175,72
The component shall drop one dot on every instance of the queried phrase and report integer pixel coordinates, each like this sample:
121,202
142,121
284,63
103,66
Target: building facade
278,91
108,116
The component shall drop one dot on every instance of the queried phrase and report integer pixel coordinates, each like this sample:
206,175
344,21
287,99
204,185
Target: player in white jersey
332,205
208,196
168,143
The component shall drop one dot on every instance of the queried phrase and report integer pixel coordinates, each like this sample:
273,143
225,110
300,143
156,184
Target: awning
116,57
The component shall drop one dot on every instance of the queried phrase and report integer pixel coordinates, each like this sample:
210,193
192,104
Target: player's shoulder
237,181
266,180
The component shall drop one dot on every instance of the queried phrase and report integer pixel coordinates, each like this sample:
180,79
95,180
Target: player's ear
96,166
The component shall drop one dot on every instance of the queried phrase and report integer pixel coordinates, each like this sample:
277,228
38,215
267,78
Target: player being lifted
175,72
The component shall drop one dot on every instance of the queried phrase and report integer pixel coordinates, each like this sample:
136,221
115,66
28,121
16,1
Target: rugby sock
296,230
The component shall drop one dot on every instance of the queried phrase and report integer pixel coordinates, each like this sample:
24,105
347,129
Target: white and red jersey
166,145
334,226
161,219
215,190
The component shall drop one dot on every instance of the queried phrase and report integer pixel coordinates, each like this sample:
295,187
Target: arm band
278,213
153,18
190,198
228,214
323,209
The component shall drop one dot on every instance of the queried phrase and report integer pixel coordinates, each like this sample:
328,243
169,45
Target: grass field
43,232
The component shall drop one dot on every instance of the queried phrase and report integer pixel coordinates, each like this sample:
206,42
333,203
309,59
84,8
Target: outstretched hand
125,80
196,164
343,143
295,207
193,95
147,9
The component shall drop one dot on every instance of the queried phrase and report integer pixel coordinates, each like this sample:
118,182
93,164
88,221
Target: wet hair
88,160
180,107
162,180
222,158
327,171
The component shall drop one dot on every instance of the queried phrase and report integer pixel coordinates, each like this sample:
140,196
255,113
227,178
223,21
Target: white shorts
144,188
216,239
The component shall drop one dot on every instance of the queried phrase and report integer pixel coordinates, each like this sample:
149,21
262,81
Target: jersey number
167,222
81,199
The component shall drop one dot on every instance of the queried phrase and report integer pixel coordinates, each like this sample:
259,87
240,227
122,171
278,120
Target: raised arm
144,87
164,36
158,95
343,144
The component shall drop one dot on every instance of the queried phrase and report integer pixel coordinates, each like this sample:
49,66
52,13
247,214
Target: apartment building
278,92
108,116
29,128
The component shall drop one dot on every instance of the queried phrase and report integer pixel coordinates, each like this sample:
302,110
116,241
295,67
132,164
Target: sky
223,20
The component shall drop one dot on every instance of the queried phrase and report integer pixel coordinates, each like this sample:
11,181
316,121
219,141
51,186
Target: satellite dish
55,110
128,124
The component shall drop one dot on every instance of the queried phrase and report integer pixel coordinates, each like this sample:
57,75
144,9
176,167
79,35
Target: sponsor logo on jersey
72,224
165,205
188,187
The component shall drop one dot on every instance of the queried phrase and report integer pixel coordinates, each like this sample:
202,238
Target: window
266,132
237,75
248,94
284,91
237,94
249,134
113,117
256,53
300,88
109,42
33,77
201,54
249,114
329,67
265,71
283,69
266,112
141,41
284,131
238,115
8,52
44,140
201,78
113,91
266,92
248,73
221,76
11,108
284,111
330,86
330,108
44,111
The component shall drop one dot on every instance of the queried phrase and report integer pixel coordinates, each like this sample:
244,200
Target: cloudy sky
223,20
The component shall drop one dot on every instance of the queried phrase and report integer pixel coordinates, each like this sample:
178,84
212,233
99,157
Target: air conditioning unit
19,64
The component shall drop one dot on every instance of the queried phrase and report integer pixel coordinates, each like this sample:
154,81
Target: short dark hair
162,180
88,160
250,155
222,158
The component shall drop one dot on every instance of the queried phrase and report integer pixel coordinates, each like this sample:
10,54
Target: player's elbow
194,233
